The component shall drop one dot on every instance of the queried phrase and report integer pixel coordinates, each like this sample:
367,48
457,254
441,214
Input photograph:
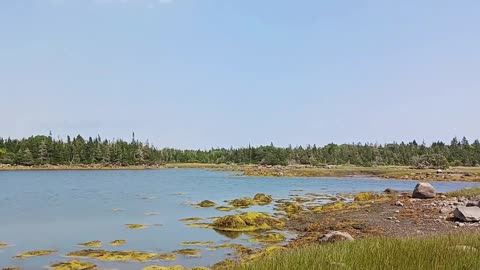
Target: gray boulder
424,191
334,237
467,214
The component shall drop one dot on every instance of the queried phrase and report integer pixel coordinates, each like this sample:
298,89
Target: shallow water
59,209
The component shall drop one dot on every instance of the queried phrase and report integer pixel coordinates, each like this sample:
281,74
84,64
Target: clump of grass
440,252
466,192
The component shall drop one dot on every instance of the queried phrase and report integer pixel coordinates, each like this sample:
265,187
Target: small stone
399,203
335,236
397,211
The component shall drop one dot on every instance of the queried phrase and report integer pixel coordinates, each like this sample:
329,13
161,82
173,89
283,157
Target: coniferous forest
40,150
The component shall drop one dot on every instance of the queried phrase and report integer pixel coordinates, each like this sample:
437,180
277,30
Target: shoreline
464,174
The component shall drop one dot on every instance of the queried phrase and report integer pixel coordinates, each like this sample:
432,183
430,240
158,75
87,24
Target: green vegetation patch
193,219
189,252
262,199
175,267
433,253
35,253
250,221
207,203
195,243
335,206
225,208
268,238
136,226
116,243
95,243
105,255
466,192
73,265
167,257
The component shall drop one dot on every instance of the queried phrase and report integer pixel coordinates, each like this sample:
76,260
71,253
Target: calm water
59,209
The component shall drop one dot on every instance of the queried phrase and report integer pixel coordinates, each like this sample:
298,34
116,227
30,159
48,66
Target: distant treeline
38,150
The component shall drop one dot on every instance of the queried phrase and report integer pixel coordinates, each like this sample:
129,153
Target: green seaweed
189,252
193,219
35,253
95,243
118,243
104,255
195,243
245,222
136,226
167,257
262,199
73,265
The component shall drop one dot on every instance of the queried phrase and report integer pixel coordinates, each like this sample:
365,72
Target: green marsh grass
451,252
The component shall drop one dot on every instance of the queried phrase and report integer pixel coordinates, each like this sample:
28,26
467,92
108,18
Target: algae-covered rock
262,199
225,208
116,243
95,243
73,265
268,238
189,252
244,202
194,243
12,268
193,219
365,196
167,257
3,245
291,208
207,203
35,253
105,255
136,226
250,221
335,206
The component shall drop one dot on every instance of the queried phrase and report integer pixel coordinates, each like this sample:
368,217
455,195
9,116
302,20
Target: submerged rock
424,191
269,238
105,255
74,265
250,221
3,245
35,253
167,257
207,203
95,243
136,226
467,214
334,237
194,243
193,219
225,208
189,252
118,243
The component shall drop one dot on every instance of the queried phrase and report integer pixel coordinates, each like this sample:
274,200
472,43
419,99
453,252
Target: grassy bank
456,251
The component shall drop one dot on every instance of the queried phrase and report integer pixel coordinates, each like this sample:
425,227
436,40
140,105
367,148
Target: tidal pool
57,210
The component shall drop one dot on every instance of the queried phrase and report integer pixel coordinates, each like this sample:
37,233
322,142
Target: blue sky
206,73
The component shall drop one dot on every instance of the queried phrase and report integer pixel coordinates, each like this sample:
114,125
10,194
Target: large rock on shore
424,191
334,237
467,214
